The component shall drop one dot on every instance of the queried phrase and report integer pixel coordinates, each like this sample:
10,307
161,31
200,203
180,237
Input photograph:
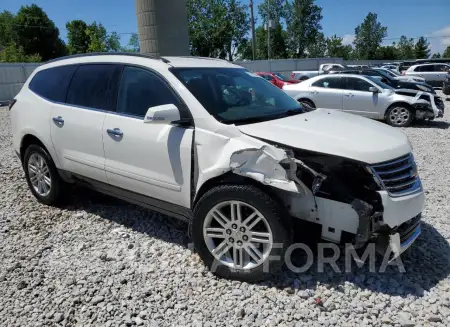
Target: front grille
399,176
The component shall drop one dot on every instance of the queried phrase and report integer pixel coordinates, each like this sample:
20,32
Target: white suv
434,74
213,144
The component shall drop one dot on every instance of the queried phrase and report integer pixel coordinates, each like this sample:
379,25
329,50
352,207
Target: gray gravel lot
98,261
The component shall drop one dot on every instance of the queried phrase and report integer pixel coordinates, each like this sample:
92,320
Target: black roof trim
92,54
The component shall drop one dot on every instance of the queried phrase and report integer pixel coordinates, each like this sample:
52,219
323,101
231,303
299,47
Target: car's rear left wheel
41,175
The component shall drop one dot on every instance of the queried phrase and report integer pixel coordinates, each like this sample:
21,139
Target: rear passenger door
149,159
327,92
77,124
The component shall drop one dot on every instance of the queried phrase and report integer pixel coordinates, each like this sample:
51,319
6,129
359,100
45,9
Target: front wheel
308,104
399,116
240,232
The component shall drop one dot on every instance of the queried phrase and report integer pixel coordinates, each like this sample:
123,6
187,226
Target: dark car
446,85
385,78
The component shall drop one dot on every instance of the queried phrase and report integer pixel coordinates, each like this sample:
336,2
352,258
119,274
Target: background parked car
446,86
277,79
361,95
389,80
434,74
323,69
397,75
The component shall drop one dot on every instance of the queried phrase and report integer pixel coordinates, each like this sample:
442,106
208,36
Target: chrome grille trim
398,177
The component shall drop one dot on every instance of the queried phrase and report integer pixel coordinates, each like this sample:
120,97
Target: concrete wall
162,27
12,77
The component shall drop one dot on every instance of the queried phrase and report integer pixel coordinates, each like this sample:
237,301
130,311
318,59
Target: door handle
58,120
116,132
349,95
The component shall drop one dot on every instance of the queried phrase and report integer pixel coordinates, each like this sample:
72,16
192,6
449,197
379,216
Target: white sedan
365,96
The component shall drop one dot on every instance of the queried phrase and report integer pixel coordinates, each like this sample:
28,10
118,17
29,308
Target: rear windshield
235,95
282,77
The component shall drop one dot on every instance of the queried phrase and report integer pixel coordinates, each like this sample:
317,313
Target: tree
422,48
406,48
273,9
318,48
238,24
14,53
113,42
277,43
368,37
99,41
436,56
336,49
388,52
446,53
245,50
36,33
133,44
303,25
8,34
78,40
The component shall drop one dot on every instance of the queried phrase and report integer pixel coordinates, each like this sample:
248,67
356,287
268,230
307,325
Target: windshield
237,96
386,72
281,77
378,82
394,72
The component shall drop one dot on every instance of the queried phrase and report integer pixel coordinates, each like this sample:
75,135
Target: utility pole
253,30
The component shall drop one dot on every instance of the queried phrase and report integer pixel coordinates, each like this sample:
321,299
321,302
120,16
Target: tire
52,185
308,104
399,116
231,240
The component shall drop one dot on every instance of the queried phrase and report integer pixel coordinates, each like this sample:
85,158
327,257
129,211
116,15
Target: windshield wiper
258,119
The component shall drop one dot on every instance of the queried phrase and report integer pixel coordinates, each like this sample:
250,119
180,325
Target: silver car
365,96
434,74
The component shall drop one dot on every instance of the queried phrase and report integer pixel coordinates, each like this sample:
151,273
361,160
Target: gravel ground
98,261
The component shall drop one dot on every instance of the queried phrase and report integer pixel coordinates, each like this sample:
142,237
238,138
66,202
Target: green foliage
446,53
303,26
368,37
422,48
318,48
336,49
36,33
7,32
100,41
406,48
133,44
78,40
273,9
389,52
436,56
217,27
14,53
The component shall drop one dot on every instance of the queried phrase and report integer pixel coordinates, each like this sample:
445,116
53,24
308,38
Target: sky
413,18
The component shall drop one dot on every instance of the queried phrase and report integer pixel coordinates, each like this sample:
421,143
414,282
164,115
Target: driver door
359,100
149,159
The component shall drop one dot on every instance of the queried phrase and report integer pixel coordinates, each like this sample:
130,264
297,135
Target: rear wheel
239,233
41,175
399,116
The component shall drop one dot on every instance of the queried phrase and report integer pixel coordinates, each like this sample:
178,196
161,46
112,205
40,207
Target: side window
427,68
92,87
141,89
441,68
329,82
52,83
357,84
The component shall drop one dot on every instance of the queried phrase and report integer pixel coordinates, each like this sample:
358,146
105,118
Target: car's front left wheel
240,232
399,116
41,175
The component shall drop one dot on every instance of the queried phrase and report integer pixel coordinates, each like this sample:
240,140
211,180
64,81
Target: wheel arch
399,103
31,138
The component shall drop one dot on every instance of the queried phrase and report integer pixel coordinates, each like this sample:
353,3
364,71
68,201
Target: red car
277,79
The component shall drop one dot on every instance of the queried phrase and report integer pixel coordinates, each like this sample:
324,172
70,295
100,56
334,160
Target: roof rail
90,54
207,58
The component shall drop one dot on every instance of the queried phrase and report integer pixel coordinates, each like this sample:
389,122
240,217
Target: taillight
12,103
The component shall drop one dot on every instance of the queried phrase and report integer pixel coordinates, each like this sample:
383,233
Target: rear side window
328,82
52,83
92,87
427,68
140,90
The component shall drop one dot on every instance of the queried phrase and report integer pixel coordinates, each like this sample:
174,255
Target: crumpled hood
336,133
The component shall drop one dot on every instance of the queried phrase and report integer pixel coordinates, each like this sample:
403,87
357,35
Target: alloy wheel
237,235
399,116
39,174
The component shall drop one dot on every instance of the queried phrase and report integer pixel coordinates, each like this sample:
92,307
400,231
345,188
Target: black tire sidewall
307,103
54,194
272,211
411,116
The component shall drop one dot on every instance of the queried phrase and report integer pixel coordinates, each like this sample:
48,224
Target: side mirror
164,114
373,89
